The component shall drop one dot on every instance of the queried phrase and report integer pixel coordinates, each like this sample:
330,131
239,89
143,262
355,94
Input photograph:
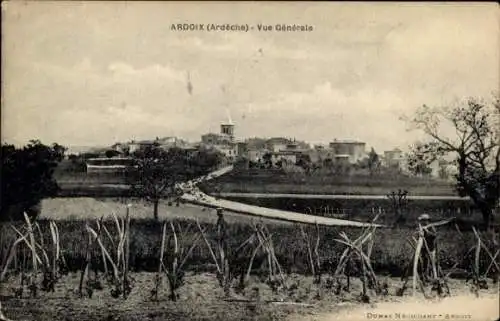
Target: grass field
364,209
83,208
275,181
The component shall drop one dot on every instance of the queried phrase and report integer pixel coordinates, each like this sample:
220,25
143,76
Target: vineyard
120,267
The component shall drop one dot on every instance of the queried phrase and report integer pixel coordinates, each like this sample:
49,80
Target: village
274,152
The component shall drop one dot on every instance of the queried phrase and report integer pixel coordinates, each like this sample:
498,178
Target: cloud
84,97
121,67
155,72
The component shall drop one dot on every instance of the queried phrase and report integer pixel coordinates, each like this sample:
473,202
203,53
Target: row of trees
27,176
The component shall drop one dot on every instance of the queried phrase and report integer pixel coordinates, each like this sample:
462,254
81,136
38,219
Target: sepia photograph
254,160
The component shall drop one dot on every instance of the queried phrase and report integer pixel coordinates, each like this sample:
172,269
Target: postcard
250,161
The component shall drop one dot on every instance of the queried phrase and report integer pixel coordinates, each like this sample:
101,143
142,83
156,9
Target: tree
242,163
419,160
475,146
27,177
305,163
267,160
373,161
203,161
328,163
111,153
158,171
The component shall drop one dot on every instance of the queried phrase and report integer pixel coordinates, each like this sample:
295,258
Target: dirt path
460,307
196,196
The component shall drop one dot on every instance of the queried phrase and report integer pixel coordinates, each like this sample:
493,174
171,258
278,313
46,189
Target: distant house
292,146
256,143
133,146
319,147
318,156
256,155
289,157
394,158
214,139
120,148
228,150
104,164
190,149
170,142
242,149
342,159
355,150
164,143
140,145
277,144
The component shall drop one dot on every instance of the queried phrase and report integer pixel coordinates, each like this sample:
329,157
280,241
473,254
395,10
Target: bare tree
399,203
474,144
157,172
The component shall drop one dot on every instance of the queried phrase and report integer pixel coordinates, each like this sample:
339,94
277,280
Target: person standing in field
429,233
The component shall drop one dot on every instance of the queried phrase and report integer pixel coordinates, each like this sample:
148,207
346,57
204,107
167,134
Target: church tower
227,129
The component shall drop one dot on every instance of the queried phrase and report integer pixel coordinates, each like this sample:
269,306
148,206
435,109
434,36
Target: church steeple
227,128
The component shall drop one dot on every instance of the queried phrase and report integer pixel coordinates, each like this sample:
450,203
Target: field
364,209
390,248
201,297
81,208
267,181
276,181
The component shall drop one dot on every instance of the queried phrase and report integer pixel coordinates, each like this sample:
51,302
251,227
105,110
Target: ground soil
201,298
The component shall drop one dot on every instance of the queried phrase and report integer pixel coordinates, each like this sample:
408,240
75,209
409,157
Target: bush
27,177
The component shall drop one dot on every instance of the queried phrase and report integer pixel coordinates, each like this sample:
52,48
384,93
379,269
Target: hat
424,217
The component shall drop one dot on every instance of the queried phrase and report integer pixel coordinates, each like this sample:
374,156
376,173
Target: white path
196,196
342,196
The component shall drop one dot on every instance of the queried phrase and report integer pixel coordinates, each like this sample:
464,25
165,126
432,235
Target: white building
354,150
288,157
393,158
223,141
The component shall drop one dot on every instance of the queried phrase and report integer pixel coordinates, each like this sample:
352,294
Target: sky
94,73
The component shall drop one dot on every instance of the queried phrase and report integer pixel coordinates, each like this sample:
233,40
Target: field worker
221,229
429,233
